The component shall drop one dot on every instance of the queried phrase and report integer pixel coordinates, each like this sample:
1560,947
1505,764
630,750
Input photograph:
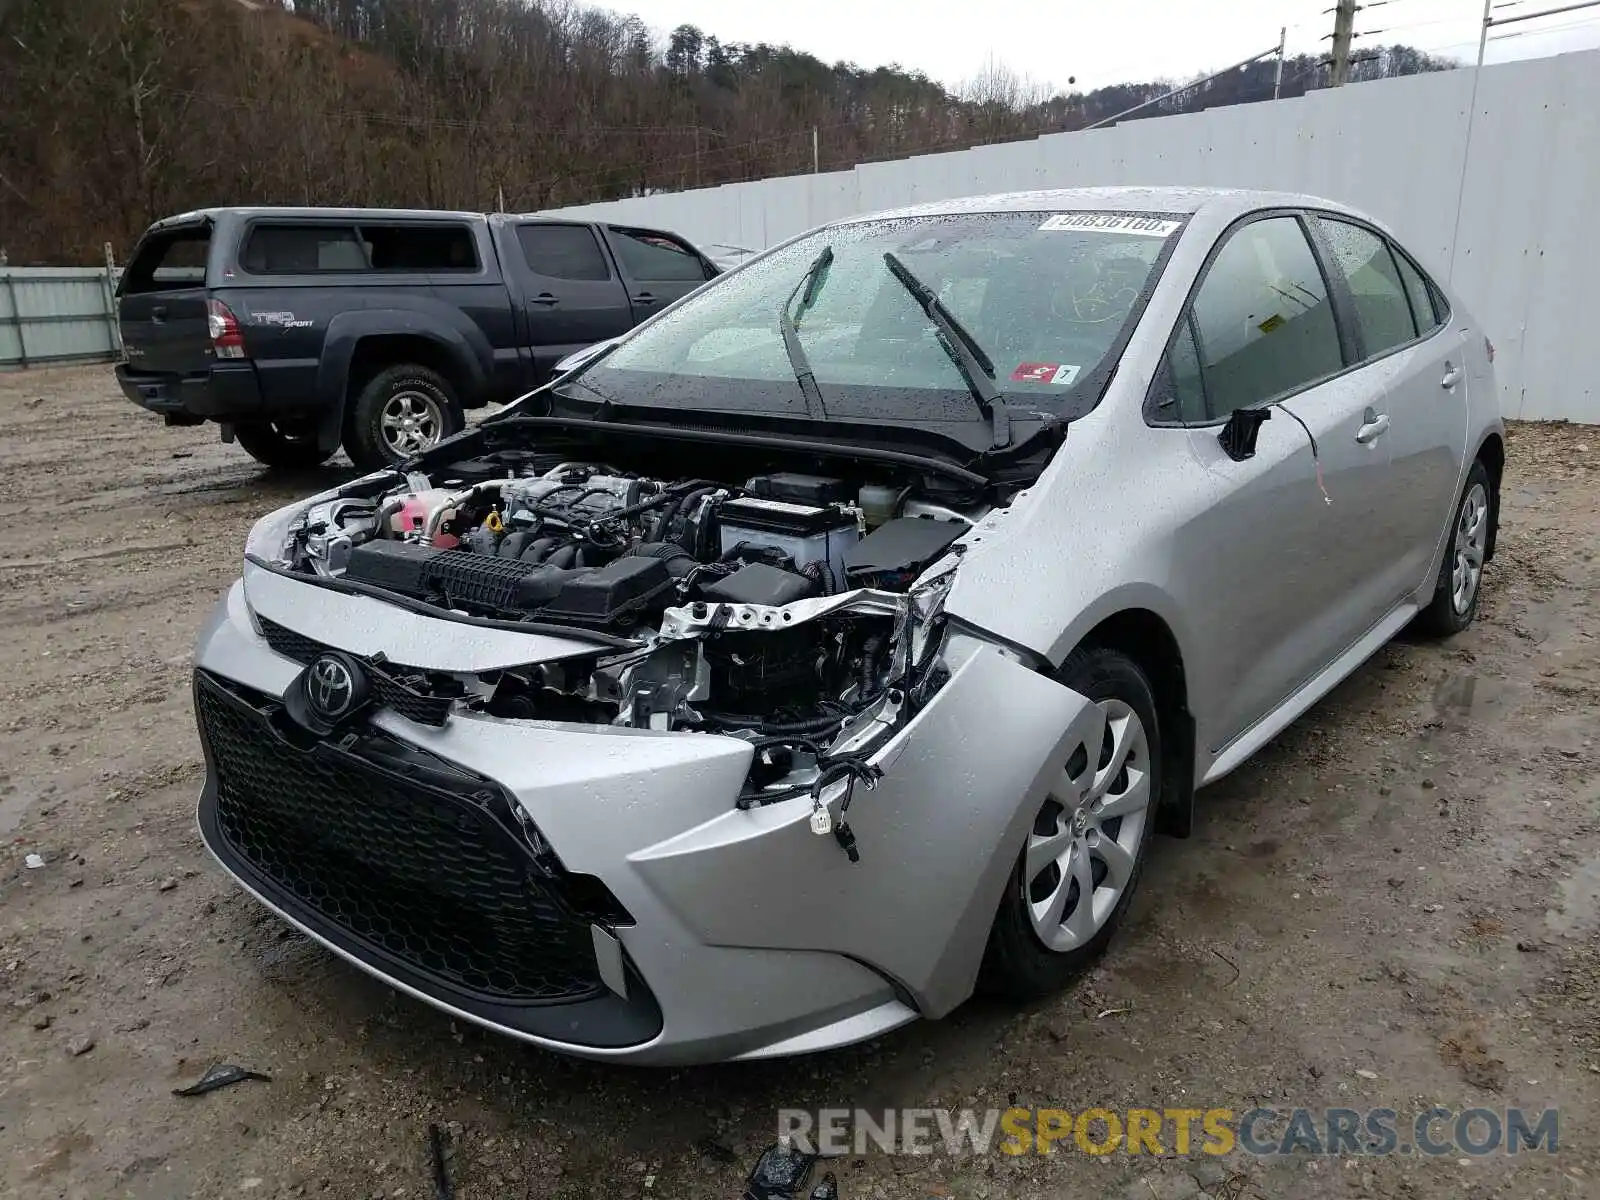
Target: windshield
1047,297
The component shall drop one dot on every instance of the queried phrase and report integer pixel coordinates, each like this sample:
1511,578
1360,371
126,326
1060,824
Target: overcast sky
1099,42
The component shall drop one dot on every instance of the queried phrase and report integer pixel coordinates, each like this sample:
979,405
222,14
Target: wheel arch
360,344
377,352
1148,639
1492,454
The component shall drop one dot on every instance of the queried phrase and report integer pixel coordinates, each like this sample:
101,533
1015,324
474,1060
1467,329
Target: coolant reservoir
415,514
877,503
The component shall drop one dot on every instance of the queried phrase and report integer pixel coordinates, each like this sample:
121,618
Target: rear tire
1088,811
1460,582
403,410
283,446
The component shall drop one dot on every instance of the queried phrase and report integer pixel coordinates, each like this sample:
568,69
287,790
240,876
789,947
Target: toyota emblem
331,688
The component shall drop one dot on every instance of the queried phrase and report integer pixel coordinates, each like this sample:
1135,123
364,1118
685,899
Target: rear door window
425,248
655,258
172,259
1383,313
1262,318
302,249
563,252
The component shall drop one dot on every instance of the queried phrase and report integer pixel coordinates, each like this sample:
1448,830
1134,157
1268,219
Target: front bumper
750,936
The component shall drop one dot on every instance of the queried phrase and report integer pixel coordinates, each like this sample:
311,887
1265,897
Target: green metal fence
53,315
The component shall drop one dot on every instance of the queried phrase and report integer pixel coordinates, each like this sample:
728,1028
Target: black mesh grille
289,643
419,706
389,686
413,871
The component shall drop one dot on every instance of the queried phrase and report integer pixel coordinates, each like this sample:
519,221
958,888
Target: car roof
1183,201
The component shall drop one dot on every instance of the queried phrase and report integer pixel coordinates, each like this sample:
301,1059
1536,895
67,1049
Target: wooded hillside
119,111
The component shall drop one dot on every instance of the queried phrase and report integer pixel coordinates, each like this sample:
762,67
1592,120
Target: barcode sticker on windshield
1096,222
1060,374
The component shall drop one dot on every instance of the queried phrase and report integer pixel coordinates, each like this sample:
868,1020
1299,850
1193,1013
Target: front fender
938,838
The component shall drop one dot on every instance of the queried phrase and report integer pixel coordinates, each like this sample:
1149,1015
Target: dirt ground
1393,906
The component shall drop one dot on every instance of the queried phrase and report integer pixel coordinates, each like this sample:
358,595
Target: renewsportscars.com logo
1264,1132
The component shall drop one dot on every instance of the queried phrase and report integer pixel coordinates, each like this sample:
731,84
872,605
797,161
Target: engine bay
798,611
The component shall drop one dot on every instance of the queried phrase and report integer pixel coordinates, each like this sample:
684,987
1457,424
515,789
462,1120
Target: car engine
786,610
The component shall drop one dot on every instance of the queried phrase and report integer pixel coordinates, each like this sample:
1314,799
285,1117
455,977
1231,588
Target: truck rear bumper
227,392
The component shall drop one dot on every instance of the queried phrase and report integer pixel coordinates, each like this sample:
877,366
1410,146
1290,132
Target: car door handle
546,299
1452,376
644,298
1373,426
158,314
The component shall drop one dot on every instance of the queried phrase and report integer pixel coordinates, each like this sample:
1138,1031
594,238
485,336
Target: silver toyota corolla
834,643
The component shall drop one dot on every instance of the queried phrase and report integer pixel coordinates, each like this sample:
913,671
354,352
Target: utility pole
816,152
1277,78
1344,29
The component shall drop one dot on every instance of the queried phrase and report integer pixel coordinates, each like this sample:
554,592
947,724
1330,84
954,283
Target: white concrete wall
1511,221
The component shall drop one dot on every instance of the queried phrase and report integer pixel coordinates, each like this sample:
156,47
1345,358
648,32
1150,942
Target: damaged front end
801,614
816,686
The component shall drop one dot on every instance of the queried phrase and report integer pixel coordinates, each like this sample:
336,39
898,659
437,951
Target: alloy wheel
411,421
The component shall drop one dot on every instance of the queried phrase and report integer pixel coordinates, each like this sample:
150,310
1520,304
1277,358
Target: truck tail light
226,337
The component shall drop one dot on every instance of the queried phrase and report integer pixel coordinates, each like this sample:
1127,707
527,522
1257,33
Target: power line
1490,20
1583,23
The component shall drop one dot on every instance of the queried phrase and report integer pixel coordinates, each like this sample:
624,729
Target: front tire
1460,582
1086,848
283,446
403,410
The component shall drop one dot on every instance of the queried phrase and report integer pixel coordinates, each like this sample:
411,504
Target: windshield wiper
809,282
971,360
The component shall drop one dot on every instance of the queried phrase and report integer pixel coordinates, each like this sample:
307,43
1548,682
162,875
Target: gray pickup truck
301,329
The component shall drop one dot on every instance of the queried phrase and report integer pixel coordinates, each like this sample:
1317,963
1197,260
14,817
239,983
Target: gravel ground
1393,906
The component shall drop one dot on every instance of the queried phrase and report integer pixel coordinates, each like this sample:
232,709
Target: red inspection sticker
1060,374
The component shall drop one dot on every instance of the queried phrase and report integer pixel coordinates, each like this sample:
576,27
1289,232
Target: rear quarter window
168,260
1427,304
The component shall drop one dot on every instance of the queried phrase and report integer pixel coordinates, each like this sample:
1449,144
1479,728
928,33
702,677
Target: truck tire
402,411
283,446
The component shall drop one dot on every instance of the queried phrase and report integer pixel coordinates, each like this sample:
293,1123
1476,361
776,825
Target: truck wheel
402,411
282,445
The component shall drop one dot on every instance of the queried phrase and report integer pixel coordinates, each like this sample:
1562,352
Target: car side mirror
1238,436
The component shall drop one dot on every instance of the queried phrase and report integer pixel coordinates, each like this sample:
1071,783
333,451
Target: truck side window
563,252
302,249
653,258
409,247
